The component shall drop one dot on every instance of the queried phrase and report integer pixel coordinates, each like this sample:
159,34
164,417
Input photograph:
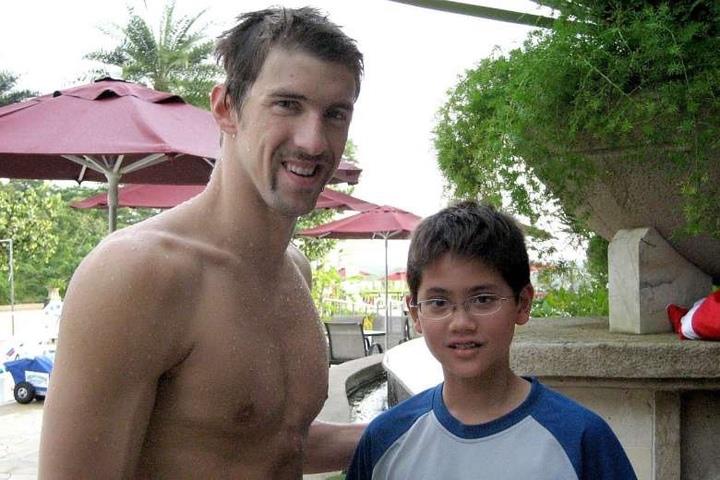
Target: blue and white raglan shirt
548,437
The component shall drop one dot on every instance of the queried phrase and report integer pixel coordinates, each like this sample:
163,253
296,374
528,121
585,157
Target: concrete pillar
645,275
666,436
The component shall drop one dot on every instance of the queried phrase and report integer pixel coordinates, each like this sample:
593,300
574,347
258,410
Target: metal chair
348,342
396,330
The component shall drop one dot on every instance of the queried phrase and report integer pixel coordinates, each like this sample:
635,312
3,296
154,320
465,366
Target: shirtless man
189,346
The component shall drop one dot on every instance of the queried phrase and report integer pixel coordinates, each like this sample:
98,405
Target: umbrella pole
11,281
112,197
387,305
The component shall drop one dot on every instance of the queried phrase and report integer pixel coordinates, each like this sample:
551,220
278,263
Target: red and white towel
700,322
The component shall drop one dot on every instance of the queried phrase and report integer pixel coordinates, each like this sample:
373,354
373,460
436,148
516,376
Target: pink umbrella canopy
107,131
341,201
380,222
113,131
83,132
168,196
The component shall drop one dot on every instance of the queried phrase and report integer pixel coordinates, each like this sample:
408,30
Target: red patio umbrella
168,196
109,130
380,222
347,172
113,131
341,201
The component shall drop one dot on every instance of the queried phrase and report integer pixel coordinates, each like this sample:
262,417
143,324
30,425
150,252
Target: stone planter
638,190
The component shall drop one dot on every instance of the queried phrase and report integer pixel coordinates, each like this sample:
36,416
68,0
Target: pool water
369,401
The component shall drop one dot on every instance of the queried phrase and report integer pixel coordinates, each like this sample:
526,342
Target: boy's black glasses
475,306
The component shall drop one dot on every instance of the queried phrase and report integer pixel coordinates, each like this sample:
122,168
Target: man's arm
330,446
112,349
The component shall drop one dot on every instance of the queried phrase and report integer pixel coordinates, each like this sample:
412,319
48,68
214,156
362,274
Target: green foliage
587,301
611,74
8,93
566,290
597,258
327,284
28,212
315,248
49,237
175,60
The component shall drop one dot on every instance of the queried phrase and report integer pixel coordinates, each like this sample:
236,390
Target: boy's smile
469,345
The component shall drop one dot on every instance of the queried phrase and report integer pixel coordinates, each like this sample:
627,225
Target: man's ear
412,311
222,110
525,301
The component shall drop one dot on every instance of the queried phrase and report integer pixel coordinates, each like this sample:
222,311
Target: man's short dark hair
474,231
242,50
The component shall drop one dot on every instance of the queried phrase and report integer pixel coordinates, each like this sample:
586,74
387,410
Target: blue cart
31,377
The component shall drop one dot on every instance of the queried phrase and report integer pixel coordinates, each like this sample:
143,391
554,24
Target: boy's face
469,347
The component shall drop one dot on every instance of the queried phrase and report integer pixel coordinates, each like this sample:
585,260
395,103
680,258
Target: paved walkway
19,440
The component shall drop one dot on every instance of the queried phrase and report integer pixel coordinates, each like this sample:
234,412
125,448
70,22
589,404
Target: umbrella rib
87,161
104,167
143,162
118,163
81,176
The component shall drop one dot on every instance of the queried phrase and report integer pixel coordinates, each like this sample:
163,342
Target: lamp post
11,281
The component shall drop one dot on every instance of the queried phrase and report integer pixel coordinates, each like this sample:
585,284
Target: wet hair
474,231
243,49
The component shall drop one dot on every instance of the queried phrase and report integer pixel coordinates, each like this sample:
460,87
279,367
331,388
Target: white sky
412,57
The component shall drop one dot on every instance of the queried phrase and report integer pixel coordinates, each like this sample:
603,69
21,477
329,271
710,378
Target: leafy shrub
609,74
586,301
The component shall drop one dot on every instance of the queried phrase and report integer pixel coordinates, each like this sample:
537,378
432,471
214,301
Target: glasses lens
436,308
485,304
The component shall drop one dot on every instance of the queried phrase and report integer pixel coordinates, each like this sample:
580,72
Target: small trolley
31,377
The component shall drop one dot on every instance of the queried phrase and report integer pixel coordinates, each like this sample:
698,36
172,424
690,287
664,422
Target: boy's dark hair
474,231
242,50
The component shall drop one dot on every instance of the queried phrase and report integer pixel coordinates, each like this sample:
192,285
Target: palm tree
7,85
176,60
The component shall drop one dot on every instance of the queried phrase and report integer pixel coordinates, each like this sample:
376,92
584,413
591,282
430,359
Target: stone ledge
584,347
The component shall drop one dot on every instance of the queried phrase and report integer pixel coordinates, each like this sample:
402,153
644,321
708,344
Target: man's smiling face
293,127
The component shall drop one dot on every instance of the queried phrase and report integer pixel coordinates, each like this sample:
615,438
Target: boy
469,280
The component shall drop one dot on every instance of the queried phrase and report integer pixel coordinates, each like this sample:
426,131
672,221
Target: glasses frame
465,305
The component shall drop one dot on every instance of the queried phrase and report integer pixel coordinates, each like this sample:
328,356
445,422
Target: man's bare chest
258,362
